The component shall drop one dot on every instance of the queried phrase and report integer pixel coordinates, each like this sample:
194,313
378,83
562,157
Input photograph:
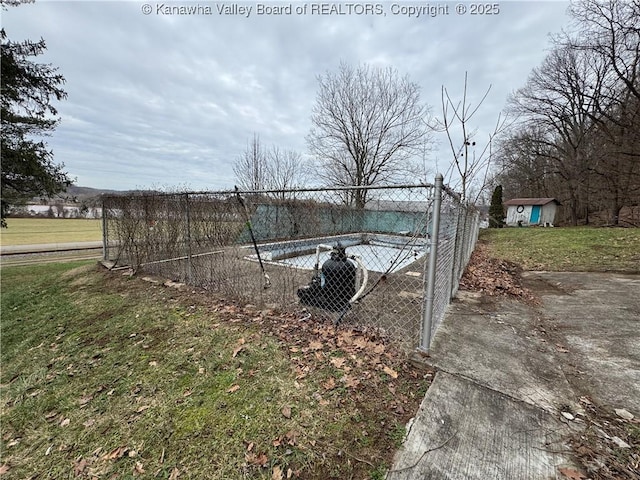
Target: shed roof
531,201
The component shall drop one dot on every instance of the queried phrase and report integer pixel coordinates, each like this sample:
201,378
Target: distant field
570,249
26,231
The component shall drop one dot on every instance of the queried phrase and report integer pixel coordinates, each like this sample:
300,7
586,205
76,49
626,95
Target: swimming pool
378,252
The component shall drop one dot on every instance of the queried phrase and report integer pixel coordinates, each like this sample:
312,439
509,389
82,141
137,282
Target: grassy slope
25,231
103,375
567,249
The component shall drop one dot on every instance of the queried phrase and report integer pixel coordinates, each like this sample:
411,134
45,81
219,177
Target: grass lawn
567,249
26,231
108,376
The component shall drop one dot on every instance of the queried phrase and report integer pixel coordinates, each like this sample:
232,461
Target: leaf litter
355,371
495,277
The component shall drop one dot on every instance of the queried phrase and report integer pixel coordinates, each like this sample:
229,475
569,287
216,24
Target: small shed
531,211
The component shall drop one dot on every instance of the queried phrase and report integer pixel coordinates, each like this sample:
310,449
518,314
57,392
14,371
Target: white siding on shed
547,214
513,216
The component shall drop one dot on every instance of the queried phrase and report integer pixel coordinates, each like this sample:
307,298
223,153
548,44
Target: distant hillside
78,194
77,191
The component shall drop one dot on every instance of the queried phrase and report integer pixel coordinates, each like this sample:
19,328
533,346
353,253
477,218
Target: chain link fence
351,255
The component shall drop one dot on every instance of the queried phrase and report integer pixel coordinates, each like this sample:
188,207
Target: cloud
173,99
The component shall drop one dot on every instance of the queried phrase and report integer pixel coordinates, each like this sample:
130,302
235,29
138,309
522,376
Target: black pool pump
334,287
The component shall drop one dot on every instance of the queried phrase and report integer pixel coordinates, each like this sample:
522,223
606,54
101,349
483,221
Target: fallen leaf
153,363
379,348
84,400
330,384
234,388
620,443
389,371
65,422
622,413
237,350
138,468
4,469
351,381
79,467
201,370
174,474
291,437
143,408
259,460
315,345
361,342
89,422
286,411
277,473
572,473
116,453
338,362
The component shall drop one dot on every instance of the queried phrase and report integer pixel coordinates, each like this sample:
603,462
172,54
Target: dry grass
27,231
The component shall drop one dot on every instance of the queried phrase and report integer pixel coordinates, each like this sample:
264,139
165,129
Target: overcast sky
160,100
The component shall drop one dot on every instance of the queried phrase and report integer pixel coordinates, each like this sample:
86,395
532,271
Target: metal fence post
427,321
105,235
188,238
458,262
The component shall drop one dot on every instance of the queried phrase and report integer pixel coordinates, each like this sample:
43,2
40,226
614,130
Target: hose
365,278
363,286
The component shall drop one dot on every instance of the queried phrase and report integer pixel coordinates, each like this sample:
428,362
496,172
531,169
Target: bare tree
583,103
523,163
611,30
368,128
273,169
558,98
251,167
471,158
284,170
616,153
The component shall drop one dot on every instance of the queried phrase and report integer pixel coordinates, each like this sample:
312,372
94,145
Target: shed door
535,214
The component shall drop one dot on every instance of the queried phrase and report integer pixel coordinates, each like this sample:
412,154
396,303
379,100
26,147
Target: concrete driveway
507,370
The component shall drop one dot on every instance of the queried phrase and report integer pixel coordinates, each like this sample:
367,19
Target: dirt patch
542,287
